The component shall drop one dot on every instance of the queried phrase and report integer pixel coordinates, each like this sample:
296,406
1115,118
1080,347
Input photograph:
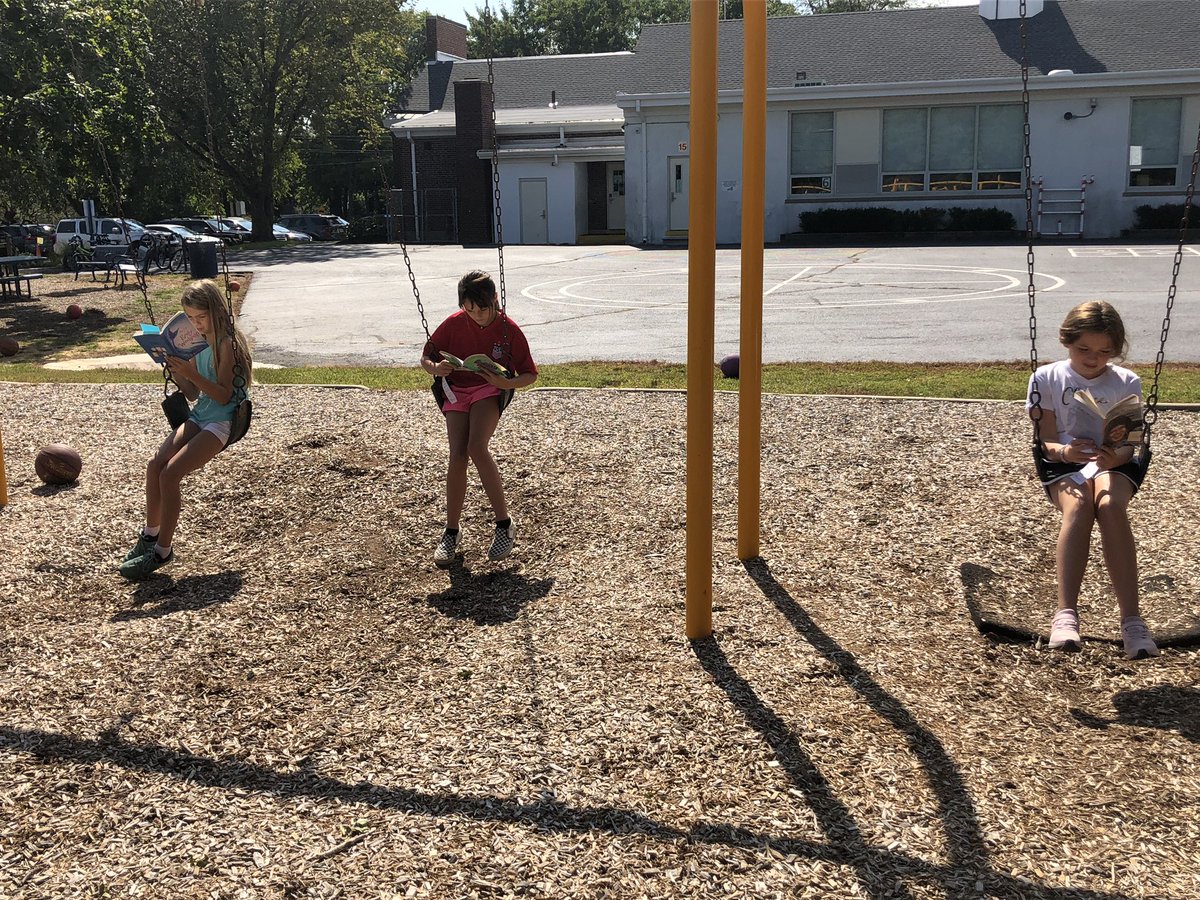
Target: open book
178,337
476,362
1123,423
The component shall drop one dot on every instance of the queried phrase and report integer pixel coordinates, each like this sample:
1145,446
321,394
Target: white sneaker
446,550
502,542
1064,631
1138,643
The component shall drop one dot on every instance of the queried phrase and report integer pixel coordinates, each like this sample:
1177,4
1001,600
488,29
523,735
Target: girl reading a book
472,398
208,380
1090,481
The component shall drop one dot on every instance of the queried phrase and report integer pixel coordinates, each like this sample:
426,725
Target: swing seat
240,423
439,395
1049,470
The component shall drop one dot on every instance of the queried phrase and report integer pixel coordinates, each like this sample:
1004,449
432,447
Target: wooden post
702,277
754,155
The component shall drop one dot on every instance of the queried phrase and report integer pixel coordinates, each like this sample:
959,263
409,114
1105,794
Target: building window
812,153
1154,142
953,148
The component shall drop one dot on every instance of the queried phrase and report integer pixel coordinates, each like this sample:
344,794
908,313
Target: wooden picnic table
11,278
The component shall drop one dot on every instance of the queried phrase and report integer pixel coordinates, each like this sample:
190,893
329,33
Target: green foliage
1165,216
857,220
818,7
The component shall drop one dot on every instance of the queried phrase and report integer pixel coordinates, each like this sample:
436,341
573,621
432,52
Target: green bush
1166,216
884,219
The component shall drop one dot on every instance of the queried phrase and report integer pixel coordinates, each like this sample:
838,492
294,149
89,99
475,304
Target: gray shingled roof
851,48
522,82
936,44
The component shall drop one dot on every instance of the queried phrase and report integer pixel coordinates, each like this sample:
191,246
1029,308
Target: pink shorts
464,398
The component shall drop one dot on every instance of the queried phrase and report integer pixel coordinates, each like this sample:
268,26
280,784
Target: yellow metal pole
702,277
3,480
754,155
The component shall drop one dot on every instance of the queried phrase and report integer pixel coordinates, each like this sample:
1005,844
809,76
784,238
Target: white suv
108,228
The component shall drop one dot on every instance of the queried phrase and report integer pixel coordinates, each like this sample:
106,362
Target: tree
243,84
818,7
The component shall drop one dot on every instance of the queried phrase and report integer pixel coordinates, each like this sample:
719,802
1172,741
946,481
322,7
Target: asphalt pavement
326,304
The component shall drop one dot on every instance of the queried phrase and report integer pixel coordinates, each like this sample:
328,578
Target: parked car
242,227
321,226
24,237
99,230
210,227
283,233
176,234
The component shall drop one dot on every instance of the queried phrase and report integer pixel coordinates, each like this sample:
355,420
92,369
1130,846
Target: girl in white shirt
1093,334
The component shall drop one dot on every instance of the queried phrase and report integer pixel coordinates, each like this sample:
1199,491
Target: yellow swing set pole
754,138
702,276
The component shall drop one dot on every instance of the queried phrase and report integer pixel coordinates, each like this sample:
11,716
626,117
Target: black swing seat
1049,470
439,395
176,408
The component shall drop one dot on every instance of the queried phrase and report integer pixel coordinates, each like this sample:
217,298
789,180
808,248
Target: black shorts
1052,471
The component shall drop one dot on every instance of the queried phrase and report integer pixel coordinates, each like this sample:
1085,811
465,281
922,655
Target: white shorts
220,429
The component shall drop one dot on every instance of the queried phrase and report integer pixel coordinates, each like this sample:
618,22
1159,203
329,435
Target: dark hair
478,287
1097,317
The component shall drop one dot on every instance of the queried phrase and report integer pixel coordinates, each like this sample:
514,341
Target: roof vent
1009,9
1054,72
802,80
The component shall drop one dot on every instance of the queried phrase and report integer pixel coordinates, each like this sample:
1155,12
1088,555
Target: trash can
202,258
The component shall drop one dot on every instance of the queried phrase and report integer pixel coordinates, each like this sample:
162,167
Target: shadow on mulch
189,594
46,332
960,823
488,598
1163,706
49,490
548,814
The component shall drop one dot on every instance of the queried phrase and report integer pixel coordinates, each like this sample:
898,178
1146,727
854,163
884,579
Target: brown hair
205,296
478,287
1097,317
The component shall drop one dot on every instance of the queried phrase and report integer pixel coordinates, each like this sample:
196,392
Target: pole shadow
162,595
488,598
956,810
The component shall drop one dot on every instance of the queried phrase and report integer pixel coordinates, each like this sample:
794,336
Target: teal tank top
207,410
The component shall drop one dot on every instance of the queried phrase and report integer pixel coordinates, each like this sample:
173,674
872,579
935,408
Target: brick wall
446,36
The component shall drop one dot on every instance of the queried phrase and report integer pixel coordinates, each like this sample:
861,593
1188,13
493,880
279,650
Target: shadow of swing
1000,615
161,595
488,598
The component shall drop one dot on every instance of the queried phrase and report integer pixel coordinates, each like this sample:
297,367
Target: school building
900,108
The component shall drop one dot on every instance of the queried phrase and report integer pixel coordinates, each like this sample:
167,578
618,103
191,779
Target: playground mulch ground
303,706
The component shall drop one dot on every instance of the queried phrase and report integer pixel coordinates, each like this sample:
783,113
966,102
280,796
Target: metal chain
1035,395
239,375
1151,414
496,207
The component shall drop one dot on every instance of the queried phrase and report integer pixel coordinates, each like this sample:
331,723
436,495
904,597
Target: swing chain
507,342
1035,395
239,376
1151,414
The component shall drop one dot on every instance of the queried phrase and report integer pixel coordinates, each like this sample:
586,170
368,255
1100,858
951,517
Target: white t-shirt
1057,382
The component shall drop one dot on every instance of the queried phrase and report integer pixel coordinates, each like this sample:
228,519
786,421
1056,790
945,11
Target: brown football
58,464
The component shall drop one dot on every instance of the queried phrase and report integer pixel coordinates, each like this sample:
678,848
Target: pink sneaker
1064,631
1138,643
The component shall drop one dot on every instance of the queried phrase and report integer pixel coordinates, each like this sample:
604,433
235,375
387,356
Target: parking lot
353,304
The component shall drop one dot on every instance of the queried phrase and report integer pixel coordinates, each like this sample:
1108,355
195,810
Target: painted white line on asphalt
799,274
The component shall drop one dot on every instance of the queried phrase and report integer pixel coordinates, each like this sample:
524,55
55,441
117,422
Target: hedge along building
558,131
922,108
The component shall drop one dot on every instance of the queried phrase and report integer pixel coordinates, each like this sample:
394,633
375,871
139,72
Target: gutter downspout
412,155
645,152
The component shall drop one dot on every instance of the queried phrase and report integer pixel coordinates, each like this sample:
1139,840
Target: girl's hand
1111,457
182,368
1080,450
496,380
440,369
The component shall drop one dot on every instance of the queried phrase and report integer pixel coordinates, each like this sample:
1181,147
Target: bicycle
77,251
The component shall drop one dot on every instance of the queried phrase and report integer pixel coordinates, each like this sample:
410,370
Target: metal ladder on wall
1054,205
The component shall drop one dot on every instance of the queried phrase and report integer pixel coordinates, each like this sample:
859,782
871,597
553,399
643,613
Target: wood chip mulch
302,705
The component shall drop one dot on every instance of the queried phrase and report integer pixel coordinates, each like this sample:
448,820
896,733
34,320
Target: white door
534,228
678,180
616,196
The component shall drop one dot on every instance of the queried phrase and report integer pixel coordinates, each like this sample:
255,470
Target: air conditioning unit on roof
1009,9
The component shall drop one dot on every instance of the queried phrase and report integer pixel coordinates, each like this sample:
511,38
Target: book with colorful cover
1123,422
476,362
178,337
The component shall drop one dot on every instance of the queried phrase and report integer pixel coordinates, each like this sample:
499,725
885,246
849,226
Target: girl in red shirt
473,400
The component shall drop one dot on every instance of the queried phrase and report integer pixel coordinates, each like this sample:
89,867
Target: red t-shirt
462,337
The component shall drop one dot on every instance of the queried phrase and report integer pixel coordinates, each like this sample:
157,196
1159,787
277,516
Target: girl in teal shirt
207,379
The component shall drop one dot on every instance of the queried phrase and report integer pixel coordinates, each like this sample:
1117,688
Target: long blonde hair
205,296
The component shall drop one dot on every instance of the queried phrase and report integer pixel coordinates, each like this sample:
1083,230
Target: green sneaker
143,546
142,567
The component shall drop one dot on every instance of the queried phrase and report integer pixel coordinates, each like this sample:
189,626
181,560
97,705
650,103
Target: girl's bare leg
174,442
485,416
1074,538
457,425
1113,493
195,454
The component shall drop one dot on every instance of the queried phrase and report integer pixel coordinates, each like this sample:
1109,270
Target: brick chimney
473,114
444,39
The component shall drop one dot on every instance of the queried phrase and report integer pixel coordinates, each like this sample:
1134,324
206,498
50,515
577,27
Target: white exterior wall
1063,153
560,197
